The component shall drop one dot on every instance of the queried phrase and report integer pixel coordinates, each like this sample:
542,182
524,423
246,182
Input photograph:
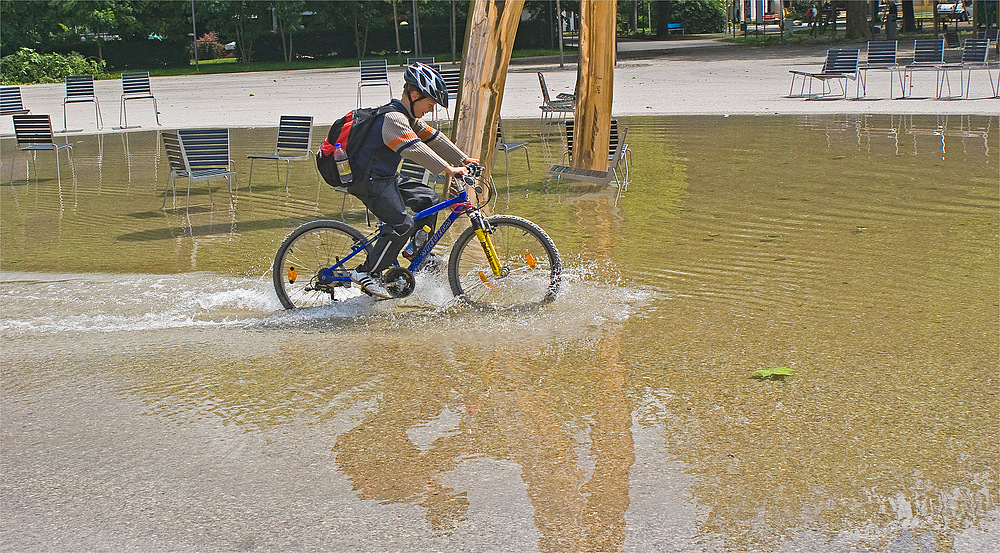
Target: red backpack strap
345,131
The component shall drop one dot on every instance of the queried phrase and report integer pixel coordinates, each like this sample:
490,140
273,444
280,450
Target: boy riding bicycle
398,133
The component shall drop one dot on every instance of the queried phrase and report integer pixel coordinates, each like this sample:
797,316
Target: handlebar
473,172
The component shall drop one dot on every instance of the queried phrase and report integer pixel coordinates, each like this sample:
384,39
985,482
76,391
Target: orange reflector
486,281
530,259
292,275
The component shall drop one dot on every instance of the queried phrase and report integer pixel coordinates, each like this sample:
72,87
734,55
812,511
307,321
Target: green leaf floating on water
777,373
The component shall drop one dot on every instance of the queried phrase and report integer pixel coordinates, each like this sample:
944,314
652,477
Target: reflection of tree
571,513
524,410
385,465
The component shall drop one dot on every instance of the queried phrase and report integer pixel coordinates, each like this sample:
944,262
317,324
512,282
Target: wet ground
156,398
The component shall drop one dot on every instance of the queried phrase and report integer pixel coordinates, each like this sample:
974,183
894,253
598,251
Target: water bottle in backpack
343,166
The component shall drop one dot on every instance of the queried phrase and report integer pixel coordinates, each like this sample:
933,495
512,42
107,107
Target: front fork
483,231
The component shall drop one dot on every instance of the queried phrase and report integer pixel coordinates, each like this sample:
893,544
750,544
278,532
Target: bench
592,175
675,28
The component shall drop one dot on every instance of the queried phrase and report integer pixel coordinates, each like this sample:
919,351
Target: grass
233,65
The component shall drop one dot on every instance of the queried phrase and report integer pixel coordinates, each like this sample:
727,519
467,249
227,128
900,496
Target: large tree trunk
857,20
594,84
489,42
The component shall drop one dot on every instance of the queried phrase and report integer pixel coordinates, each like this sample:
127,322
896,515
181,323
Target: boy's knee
401,228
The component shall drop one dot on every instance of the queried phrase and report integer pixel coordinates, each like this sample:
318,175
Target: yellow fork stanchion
491,252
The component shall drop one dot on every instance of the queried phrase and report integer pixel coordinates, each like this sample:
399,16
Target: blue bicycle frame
340,274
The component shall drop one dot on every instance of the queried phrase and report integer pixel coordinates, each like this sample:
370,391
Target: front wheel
529,265
309,249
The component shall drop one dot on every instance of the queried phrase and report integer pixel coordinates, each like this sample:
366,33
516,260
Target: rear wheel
529,263
304,253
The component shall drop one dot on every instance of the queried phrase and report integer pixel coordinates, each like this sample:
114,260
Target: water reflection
859,250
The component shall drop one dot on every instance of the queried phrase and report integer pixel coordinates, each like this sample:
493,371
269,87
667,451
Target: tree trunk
489,41
454,31
857,20
594,84
909,19
395,27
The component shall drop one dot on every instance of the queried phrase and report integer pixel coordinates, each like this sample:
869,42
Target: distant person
811,15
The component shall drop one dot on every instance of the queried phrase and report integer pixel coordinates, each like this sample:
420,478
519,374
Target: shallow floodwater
156,398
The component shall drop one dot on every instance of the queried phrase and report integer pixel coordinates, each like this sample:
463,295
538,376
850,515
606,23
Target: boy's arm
402,139
441,144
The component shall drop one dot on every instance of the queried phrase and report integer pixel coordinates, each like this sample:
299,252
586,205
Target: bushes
696,16
27,66
209,47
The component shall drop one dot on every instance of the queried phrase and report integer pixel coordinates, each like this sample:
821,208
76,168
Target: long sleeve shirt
419,141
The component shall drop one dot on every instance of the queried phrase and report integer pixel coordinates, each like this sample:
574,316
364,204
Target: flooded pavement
156,398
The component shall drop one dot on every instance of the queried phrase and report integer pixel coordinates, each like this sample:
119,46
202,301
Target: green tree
28,25
288,15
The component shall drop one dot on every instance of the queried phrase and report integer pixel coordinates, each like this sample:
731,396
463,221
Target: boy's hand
455,172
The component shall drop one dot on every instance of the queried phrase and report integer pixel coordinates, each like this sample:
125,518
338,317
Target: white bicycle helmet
428,81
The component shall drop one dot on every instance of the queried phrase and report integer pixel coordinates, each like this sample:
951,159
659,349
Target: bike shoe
369,285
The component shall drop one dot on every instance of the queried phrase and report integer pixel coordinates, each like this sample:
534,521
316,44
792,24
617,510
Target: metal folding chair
294,144
198,155
135,86
373,73
34,133
80,88
10,101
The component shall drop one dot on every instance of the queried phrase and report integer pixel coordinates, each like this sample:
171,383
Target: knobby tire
527,254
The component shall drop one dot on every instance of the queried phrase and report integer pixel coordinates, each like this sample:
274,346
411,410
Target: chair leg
526,160
250,179
122,116
58,172
287,164
156,112
12,157
97,109
170,183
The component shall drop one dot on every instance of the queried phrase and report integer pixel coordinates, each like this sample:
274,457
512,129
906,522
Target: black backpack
350,131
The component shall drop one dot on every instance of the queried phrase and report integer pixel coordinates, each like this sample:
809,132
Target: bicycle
511,263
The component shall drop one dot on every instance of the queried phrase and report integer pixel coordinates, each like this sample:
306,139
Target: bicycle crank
398,281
